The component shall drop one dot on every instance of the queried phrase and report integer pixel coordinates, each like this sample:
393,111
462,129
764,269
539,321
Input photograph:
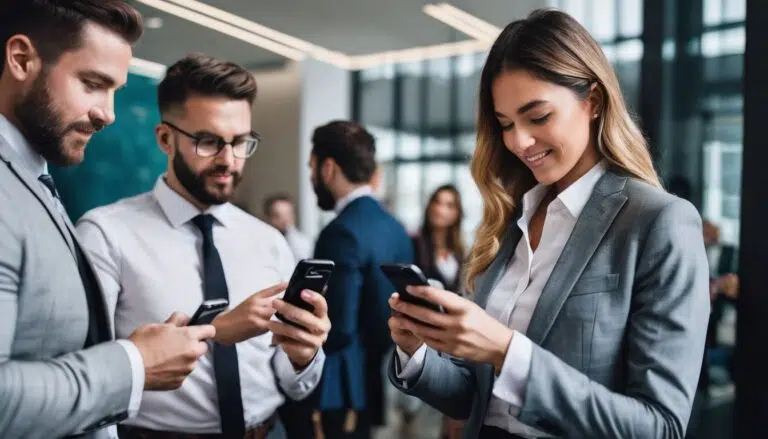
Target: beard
197,183
325,200
42,125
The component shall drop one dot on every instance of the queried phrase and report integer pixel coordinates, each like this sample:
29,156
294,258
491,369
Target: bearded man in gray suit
61,373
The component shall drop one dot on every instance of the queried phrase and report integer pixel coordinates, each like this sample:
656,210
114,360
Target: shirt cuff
137,370
410,367
297,384
513,379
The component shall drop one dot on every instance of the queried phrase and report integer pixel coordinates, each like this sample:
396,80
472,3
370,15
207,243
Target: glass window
407,202
630,17
603,23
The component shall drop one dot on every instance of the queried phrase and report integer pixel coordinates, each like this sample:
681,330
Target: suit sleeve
72,393
664,347
344,289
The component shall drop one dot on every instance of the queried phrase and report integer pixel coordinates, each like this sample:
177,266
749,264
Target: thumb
178,319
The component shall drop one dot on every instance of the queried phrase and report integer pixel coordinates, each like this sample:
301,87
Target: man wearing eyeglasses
183,243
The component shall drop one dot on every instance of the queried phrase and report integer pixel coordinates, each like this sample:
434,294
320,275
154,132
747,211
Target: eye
541,120
506,127
90,85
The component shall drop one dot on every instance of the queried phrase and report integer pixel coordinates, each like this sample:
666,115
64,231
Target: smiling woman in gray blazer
590,282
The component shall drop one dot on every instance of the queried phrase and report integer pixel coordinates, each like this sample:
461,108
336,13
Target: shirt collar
574,197
30,159
362,191
180,211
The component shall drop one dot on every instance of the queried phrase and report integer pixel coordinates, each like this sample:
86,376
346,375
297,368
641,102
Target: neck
346,189
587,161
177,187
440,240
6,105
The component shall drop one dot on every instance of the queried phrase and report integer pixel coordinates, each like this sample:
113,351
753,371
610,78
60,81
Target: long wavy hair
454,242
554,47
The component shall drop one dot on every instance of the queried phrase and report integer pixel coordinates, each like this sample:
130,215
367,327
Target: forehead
218,114
102,51
514,88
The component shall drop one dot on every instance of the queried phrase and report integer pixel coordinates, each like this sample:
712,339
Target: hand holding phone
309,274
405,275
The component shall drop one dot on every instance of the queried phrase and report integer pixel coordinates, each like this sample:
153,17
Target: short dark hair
55,26
350,145
271,200
203,75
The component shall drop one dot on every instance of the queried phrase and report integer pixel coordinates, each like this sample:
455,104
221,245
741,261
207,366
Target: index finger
274,290
201,332
451,302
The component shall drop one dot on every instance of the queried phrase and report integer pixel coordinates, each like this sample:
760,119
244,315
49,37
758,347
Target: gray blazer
49,385
618,331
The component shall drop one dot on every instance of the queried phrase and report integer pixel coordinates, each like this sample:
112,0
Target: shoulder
126,211
655,206
254,226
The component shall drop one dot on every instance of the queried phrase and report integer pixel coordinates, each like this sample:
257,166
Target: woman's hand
465,330
404,339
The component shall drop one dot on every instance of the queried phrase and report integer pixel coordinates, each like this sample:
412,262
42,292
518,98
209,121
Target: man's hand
301,344
249,319
170,351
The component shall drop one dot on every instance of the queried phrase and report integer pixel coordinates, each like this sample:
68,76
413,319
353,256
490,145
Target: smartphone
404,275
207,311
309,274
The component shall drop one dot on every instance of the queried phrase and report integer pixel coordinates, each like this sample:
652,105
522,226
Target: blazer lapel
486,282
30,181
594,221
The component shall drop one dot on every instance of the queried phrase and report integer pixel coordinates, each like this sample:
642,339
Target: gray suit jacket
618,331
49,385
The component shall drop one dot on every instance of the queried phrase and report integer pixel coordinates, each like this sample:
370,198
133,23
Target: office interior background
412,80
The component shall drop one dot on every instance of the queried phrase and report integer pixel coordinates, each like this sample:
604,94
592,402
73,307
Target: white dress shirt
148,255
37,166
514,298
362,191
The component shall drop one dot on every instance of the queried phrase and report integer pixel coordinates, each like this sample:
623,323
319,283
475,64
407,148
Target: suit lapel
594,221
31,182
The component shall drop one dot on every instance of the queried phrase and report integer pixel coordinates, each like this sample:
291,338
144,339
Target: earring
594,116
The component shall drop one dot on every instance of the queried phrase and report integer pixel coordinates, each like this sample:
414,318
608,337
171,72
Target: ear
596,100
164,139
22,61
328,170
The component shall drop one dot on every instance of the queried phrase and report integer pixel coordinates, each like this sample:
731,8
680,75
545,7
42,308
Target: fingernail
306,295
409,289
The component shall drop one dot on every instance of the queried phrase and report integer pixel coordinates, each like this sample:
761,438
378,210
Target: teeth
537,156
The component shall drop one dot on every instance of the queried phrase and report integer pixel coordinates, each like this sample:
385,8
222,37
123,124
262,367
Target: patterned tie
224,357
47,180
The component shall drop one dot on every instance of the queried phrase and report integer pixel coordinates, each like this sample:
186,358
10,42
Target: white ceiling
354,27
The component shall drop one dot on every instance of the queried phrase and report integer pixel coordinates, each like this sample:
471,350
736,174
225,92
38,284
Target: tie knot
204,222
47,180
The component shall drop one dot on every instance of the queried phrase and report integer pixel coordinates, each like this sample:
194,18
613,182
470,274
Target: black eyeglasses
209,145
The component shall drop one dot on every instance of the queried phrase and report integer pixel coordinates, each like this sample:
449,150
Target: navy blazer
360,238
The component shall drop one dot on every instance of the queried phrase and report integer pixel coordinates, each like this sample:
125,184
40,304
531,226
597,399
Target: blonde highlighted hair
553,47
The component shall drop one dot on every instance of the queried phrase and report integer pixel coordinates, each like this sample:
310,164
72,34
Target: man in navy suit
362,236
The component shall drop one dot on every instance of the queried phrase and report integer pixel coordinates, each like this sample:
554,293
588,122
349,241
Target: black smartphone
404,275
207,311
309,274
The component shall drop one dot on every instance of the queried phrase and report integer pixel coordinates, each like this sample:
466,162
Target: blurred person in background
183,243
279,212
361,237
589,281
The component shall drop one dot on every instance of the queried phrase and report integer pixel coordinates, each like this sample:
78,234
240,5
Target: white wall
326,95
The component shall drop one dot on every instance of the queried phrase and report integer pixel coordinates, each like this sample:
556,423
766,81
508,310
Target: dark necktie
98,327
224,357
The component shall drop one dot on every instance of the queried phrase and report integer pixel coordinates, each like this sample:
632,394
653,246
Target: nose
519,139
226,156
104,114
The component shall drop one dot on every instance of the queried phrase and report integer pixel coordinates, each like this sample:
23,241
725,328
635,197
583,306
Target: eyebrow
105,79
201,133
525,108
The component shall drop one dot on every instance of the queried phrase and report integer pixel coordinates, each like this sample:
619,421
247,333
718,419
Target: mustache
86,127
219,170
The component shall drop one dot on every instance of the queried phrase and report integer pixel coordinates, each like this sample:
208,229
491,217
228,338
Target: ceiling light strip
479,24
418,54
147,68
226,28
440,14
320,53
